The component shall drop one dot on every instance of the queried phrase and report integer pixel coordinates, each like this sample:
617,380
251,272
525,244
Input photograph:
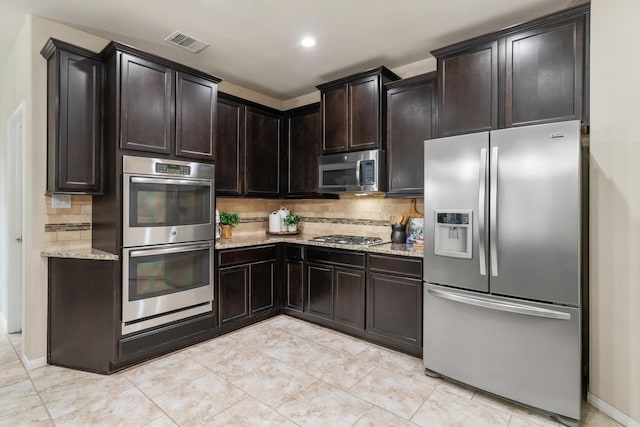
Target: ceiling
255,43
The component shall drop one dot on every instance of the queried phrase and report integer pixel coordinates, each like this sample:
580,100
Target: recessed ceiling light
308,42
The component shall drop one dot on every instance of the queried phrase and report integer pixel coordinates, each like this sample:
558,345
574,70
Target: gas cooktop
349,240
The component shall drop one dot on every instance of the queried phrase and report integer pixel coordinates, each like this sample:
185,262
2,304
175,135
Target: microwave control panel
368,172
173,169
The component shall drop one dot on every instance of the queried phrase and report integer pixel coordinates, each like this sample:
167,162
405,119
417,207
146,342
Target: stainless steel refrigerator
502,264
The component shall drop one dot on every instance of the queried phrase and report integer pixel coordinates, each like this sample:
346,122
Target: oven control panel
173,169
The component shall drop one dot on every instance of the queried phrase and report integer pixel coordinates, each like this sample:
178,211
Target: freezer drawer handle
501,305
482,189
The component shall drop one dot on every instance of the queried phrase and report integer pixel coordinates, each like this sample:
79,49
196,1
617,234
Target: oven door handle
172,250
198,183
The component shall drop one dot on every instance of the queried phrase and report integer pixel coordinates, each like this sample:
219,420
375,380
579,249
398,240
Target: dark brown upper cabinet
163,107
196,102
229,147
303,146
544,73
411,119
352,111
248,148
146,105
262,153
531,73
74,119
468,90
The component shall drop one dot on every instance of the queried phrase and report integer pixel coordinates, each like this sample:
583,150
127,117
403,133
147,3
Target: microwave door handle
166,251
143,180
358,182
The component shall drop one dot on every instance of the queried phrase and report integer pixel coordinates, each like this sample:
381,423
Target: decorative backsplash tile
68,228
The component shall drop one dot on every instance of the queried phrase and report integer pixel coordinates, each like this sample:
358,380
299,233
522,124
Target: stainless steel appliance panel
167,201
360,171
160,279
535,212
528,352
456,178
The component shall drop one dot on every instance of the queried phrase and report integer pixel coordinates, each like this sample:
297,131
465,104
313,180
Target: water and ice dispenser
453,233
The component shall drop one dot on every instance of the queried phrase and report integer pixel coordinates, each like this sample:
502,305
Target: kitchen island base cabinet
246,282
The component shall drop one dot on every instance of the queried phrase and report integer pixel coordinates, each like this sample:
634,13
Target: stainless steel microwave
360,171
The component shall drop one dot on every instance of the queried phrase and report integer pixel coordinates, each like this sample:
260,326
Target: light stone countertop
263,239
251,240
87,253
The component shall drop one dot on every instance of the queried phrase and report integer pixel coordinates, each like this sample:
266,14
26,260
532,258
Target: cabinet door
410,117
468,90
262,278
364,118
348,306
195,117
229,147
304,133
544,74
233,293
335,119
394,308
146,109
295,284
320,290
75,166
262,153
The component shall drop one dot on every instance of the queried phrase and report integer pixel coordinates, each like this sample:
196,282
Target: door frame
13,220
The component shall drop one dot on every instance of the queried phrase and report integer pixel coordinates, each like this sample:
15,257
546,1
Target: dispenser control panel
453,233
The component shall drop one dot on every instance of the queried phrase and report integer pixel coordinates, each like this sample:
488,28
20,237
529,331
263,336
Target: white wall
615,205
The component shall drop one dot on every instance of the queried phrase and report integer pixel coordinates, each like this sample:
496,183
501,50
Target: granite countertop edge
400,249
88,253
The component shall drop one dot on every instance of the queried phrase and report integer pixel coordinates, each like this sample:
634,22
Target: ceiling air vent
186,41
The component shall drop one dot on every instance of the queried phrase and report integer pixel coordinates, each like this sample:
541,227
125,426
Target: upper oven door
159,210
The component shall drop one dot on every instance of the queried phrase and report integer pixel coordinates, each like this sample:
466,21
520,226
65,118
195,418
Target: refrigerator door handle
493,211
482,195
500,305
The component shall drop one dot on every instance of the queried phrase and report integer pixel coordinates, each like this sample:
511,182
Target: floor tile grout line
153,402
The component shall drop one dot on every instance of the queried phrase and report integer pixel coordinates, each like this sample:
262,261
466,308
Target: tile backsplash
71,228
348,215
68,228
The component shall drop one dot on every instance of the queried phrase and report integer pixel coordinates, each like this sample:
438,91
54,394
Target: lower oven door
164,283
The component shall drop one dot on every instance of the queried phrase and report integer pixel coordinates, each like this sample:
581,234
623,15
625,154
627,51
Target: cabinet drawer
246,255
293,252
333,256
393,264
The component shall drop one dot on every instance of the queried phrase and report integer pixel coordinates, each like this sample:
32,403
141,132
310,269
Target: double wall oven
168,241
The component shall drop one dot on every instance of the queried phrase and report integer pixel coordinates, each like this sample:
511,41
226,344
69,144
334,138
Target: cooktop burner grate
349,240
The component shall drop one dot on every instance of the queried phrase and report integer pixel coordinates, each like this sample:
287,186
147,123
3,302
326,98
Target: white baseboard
35,363
614,413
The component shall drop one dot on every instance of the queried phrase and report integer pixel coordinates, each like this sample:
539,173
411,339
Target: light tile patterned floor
280,372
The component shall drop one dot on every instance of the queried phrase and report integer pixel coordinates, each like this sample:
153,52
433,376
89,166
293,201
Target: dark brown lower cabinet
293,277
320,290
233,293
336,287
348,307
83,314
394,302
247,282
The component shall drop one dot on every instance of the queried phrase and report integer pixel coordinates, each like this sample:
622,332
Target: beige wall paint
32,77
615,205
413,69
